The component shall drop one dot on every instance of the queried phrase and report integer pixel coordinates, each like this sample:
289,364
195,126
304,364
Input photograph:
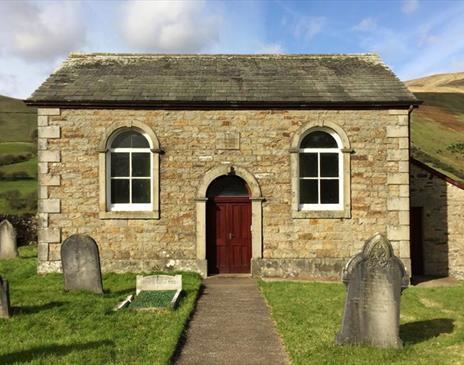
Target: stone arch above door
256,208
211,175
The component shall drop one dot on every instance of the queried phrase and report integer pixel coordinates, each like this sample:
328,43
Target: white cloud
172,26
366,25
308,26
410,6
41,31
272,48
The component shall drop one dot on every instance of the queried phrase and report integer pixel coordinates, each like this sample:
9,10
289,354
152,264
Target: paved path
231,325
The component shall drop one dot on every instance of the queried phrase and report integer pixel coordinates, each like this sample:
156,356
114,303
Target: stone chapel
274,165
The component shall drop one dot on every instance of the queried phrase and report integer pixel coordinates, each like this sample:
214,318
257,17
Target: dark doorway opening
228,226
416,241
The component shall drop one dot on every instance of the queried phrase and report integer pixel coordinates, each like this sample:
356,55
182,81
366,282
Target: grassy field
17,121
25,187
308,316
437,133
51,326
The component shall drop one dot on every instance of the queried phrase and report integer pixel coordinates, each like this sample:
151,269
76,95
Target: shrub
11,159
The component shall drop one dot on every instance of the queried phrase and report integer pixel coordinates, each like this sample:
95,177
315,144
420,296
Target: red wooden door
228,235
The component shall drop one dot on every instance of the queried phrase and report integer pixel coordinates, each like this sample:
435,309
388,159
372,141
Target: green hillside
17,120
18,157
437,132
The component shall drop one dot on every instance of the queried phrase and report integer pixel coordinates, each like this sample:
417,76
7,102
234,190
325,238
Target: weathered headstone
81,264
375,278
4,299
8,247
158,282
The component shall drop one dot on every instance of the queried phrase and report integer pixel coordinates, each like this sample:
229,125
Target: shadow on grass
36,308
183,337
415,332
54,349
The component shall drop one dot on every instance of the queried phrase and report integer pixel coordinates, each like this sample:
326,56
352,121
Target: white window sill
154,214
324,214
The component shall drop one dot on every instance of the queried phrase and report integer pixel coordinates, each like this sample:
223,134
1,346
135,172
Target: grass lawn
308,315
16,148
29,166
51,326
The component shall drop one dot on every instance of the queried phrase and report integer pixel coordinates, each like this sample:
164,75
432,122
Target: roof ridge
223,55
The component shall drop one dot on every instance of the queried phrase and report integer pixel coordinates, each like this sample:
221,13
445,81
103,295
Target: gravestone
375,278
8,247
4,299
158,282
81,264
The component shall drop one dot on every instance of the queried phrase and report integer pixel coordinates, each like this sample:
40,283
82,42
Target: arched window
320,163
129,172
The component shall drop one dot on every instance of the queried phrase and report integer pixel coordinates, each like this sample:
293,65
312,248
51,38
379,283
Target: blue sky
414,37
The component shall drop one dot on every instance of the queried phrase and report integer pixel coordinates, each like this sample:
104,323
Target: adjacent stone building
437,217
279,165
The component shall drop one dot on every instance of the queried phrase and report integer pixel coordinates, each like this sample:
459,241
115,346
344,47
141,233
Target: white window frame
320,206
128,207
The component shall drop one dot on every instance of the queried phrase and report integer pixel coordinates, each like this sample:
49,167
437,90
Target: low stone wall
26,227
442,202
314,269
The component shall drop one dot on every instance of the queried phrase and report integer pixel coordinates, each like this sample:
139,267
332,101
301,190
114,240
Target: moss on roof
153,79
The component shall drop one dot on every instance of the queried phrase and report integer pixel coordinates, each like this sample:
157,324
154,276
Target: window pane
119,191
139,141
141,191
329,191
329,164
119,164
130,139
308,192
318,139
123,140
308,164
141,164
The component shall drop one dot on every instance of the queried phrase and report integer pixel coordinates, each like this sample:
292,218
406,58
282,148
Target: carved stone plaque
158,282
375,278
228,141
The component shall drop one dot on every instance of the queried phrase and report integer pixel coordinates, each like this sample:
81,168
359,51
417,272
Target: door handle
231,236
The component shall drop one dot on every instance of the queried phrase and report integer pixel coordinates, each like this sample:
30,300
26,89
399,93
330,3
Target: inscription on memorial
228,141
375,278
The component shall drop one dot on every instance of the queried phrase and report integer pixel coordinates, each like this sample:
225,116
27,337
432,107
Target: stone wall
442,220
193,141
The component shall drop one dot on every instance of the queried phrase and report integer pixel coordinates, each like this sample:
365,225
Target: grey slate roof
215,80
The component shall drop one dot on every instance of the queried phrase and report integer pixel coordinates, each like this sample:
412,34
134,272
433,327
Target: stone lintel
52,131
49,205
42,120
42,144
398,111
399,178
400,204
42,251
49,156
48,111
398,155
49,235
398,233
397,131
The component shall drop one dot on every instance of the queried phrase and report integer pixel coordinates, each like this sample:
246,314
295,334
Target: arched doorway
228,225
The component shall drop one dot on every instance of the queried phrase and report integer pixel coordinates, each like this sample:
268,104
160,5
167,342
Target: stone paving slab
231,325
